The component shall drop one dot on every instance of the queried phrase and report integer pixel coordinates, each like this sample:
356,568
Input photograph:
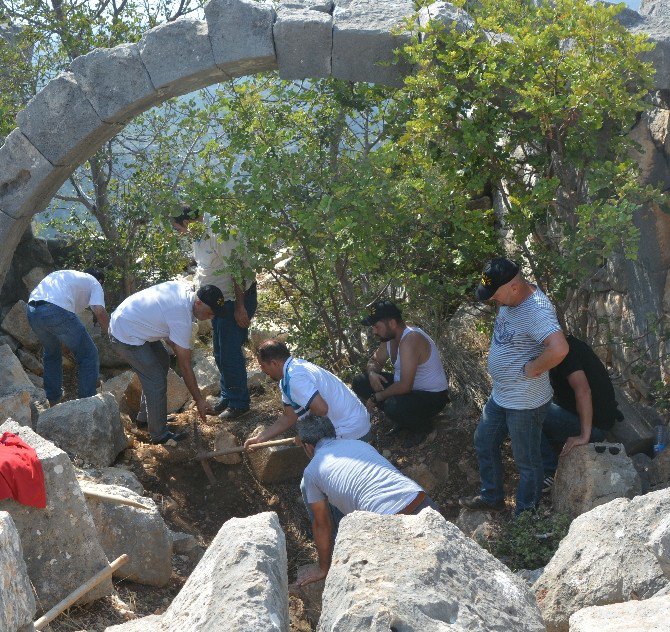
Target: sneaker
175,436
234,413
220,406
477,503
547,484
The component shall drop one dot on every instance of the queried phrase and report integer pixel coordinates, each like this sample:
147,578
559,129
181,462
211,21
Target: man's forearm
397,388
548,359
282,424
323,538
239,292
585,413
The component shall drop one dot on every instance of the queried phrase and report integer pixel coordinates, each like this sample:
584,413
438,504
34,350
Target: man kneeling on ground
352,476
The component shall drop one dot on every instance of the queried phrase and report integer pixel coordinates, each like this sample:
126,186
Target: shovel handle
241,448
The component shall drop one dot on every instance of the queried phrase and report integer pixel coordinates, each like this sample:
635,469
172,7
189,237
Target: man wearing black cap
417,390
527,341
137,329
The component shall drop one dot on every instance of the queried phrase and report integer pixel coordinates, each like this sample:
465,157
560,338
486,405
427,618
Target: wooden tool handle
119,500
48,617
241,448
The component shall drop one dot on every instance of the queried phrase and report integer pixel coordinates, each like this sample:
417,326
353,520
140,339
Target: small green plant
530,540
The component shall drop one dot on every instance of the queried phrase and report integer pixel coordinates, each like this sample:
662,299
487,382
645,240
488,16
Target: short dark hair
273,349
186,213
97,273
312,428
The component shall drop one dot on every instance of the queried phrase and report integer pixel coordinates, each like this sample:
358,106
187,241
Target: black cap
96,273
381,310
212,296
497,272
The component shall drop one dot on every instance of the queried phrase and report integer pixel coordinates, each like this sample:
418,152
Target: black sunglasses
613,449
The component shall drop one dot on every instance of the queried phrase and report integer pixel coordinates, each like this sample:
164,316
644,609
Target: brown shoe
477,503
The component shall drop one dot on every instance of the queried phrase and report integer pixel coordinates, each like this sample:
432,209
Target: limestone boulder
15,323
420,573
257,380
17,602
449,15
278,463
654,21
311,595
469,521
241,35
659,469
14,377
88,428
206,372
420,474
120,386
17,407
224,440
152,623
364,41
585,478
60,543
637,425
659,545
177,393
30,362
141,533
633,616
604,559
6,339
109,359
119,476
34,277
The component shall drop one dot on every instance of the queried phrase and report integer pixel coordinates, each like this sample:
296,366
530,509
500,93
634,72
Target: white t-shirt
353,476
212,254
518,336
161,312
69,289
303,381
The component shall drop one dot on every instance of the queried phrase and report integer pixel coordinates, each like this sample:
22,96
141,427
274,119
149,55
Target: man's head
501,282
209,302
385,319
97,273
271,356
186,214
312,429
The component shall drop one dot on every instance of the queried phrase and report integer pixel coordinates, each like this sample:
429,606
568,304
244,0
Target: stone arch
76,112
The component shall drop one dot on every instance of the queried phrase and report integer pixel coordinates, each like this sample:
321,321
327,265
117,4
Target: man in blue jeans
52,314
527,341
221,263
583,406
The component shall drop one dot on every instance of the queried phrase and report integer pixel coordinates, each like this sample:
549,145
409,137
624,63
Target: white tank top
430,375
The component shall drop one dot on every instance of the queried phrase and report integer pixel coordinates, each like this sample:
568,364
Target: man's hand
310,574
377,381
573,442
242,317
251,442
204,409
371,403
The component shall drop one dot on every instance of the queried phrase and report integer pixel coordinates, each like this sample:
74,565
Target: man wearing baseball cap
137,329
527,341
417,390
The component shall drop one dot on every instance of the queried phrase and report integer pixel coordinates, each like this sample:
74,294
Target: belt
420,497
37,303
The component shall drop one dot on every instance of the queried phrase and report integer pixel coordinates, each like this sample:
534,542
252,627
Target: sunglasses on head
613,449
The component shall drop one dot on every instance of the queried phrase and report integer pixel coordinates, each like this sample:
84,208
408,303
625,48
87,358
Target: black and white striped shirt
518,335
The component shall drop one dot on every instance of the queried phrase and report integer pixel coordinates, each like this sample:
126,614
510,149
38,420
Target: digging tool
112,498
198,447
203,456
100,576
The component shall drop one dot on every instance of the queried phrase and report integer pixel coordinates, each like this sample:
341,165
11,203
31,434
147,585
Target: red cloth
21,475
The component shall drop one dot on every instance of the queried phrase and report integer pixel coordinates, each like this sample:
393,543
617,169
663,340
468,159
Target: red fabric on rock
21,475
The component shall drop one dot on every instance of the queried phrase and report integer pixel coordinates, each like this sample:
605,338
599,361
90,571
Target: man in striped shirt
527,341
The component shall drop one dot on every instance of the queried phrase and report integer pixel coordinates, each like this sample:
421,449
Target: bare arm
241,315
319,406
283,423
555,349
580,385
184,360
101,316
410,353
375,366
322,528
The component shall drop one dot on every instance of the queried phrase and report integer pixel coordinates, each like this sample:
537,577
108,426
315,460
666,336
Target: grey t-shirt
518,336
353,476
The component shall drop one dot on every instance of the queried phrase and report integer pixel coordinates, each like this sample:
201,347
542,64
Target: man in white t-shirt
527,341
52,314
221,263
137,330
351,476
307,390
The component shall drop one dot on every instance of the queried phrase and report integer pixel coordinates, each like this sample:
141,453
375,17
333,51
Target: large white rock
240,584
604,559
60,543
16,407
206,372
17,602
111,476
420,573
177,393
15,323
14,378
659,544
119,387
650,615
88,428
141,533
585,479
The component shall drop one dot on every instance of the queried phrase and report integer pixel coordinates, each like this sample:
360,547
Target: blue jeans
55,326
559,424
228,338
524,427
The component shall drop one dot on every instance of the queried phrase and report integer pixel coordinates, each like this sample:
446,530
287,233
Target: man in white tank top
417,390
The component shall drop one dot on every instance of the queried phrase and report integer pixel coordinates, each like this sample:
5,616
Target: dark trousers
412,411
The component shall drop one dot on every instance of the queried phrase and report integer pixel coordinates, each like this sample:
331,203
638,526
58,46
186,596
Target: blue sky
633,4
